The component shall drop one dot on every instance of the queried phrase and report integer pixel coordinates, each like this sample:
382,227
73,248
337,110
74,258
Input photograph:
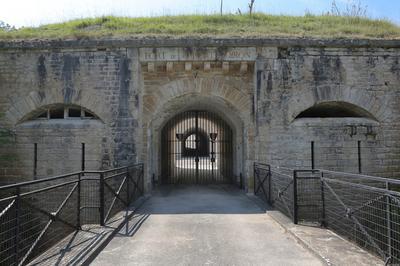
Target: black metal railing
364,209
35,215
275,185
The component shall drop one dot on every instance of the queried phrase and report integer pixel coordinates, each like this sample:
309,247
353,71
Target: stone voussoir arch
25,106
304,100
231,93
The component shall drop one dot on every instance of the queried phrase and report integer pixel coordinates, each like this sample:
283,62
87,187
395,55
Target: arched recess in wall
59,111
335,109
188,102
335,135
60,138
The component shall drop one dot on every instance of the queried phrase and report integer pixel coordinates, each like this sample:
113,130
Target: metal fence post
254,178
323,213
295,207
101,191
142,179
389,222
17,224
127,186
269,185
78,217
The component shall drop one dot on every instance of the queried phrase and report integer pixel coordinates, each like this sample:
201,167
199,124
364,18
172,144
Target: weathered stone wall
258,86
59,146
302,77
100,81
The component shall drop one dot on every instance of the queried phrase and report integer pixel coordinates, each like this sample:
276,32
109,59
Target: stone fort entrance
297,103
197,149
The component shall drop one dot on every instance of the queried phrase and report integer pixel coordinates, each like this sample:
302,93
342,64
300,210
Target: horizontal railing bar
282,167
90,207
360,176
309,177
281,174
48,188
114,169
27,183
39,190
307,170
90,179
262,165
115,175
380,190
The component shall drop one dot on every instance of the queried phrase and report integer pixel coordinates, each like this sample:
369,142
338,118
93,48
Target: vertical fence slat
269,185
101,197
78,203
254,177
295,206
389,222
323,211
17,225
127,186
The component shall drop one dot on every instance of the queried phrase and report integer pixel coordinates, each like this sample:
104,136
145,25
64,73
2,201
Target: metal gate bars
197,149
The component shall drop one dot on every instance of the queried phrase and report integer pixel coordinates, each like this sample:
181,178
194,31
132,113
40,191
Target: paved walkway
211,225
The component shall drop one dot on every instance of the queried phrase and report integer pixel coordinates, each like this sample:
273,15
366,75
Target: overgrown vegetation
5,26
351,9
257,25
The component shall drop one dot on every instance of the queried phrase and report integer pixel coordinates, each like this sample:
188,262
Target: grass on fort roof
257,25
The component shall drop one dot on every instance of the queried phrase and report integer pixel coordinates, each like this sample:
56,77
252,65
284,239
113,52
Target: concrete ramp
203,225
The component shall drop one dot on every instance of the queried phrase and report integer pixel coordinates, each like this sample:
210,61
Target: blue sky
36,12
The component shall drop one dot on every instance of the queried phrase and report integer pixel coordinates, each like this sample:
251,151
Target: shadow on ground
191,199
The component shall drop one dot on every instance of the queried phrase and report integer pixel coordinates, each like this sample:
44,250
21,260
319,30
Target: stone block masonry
261,87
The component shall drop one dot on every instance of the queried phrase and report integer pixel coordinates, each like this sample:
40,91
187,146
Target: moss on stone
6,137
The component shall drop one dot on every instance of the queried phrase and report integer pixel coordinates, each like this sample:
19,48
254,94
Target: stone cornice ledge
196,42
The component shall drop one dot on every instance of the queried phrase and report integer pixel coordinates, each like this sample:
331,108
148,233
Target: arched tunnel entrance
197,149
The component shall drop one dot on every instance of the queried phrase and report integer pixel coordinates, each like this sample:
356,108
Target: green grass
258,25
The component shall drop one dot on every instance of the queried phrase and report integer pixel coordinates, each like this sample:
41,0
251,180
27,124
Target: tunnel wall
259,86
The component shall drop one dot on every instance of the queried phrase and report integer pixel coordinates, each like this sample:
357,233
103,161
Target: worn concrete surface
80,247
328,245
211,225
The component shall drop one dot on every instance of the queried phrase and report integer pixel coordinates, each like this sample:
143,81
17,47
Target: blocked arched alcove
334,135
335,109
355,100
59,138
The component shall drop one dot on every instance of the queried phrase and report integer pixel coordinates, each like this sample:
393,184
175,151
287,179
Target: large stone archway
230,98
